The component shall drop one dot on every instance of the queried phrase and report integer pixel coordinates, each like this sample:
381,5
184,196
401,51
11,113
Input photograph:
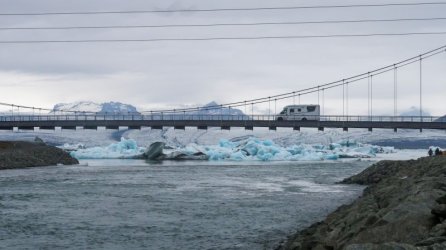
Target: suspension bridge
20,117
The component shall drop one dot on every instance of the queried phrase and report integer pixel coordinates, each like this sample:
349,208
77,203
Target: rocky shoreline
403,207
21,154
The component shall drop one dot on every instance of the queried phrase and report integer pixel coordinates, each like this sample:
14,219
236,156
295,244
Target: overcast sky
173,74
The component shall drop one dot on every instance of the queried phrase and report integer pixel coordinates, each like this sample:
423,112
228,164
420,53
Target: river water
132,204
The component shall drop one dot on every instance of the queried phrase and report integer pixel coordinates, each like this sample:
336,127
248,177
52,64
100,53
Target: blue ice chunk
126,148
331,157
227,144
238,156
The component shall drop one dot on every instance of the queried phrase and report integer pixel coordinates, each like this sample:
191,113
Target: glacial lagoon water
133,204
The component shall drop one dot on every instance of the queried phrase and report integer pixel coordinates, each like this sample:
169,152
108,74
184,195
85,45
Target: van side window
291,110
299,110
311,108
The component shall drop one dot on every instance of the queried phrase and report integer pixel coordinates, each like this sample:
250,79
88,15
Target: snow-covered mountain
117,107
441,119
101,108
213,108
413,111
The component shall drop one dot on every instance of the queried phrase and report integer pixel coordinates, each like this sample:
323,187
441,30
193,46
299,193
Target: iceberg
125,149
249,149
72,147
253,149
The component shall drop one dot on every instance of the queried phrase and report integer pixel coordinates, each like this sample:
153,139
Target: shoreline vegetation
22,154
403,207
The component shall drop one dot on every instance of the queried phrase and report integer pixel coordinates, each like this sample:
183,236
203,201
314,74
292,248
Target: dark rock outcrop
404,207
155,151
17,154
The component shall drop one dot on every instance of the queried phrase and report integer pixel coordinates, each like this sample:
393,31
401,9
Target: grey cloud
197,72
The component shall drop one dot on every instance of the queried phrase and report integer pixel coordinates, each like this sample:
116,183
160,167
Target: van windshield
283,112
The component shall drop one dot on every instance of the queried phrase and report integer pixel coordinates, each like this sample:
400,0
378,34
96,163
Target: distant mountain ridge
213,108
414,111
100,108
441,119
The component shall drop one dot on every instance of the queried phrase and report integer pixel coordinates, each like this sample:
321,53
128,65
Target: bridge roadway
181,121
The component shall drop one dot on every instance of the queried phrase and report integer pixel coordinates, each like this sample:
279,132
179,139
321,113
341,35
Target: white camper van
308,112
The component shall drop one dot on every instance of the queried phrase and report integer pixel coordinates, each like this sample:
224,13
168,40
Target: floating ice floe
125,149
72,147
250,149
267,150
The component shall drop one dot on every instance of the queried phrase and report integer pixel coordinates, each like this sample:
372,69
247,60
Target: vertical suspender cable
395,90
323,101
421,88
294,98
368,95
343,98
275,106
346,104
371,97
299,98
269,107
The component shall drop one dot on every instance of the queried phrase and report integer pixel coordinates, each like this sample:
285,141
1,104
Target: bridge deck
222,121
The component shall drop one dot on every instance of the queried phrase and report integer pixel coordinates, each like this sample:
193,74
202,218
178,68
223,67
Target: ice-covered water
247,149
132,204
124,149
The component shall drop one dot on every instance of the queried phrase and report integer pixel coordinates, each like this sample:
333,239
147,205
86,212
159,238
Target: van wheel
304,119
280,119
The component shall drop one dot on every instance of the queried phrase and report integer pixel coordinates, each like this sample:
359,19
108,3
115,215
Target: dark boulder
439,210
154,151
441,200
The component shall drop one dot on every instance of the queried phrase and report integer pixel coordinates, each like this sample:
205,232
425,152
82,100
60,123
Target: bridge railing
181,117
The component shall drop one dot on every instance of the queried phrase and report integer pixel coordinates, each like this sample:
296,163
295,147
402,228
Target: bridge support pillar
273,128
320,128
90,127
395,130
370,129
249,128
345,129
68,128
112,127
225,127
26,128
421,130
296,128
47,128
